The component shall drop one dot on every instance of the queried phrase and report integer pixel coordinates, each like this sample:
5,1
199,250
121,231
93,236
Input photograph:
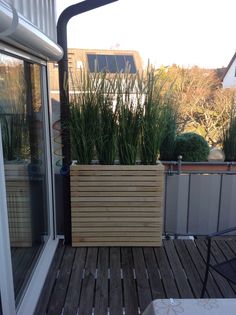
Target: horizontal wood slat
113,189
114,205
112,184
113,168
18,204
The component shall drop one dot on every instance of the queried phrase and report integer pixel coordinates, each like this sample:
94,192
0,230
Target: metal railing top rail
211,167
199,163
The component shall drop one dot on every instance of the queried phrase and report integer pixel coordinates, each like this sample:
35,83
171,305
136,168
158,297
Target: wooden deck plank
115,298
73,293
228,253
101,292
225,248
189,267
220,257
59,292
49,283
129,289
88,285
166,273
232,245
130,294
157,290
178,271
143,286
221,282
212,288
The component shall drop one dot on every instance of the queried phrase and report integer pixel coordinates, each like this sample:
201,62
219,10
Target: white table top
191,307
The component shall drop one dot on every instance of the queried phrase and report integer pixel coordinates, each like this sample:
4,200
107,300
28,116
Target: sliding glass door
27,164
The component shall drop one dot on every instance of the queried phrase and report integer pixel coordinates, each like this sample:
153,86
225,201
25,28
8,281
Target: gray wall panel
228,202
176,204
204,204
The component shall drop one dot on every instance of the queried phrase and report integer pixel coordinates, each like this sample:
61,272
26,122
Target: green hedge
229,141
192,147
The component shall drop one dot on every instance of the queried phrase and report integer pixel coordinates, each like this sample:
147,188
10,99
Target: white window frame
6,283
33,290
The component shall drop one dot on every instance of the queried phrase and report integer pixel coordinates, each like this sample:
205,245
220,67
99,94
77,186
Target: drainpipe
64,18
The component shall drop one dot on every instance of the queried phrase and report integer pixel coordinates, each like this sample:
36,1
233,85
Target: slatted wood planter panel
18,203
117,205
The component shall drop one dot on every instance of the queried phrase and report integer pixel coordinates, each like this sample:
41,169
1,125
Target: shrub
192,147
229,141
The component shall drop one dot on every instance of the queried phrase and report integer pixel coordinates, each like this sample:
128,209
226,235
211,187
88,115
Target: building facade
94,60
28,236
229,77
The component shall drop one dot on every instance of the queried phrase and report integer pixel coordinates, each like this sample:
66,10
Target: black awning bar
63,20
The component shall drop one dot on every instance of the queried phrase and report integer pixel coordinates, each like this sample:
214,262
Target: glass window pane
111,63
102,63
92,62
120,60
129,60
22,121
0,305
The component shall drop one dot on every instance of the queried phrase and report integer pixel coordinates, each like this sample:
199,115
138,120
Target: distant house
94,60
229,77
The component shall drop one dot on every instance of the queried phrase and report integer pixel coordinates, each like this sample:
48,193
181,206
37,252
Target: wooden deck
118,281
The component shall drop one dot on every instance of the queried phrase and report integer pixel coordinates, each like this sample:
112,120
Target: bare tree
203,106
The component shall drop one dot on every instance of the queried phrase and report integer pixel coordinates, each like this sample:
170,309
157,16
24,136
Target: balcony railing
200,198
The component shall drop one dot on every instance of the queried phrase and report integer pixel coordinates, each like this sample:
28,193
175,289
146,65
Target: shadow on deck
116,281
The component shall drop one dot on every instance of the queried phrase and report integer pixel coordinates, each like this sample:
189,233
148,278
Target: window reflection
22,122
0,306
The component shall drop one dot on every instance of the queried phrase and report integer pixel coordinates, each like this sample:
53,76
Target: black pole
64,18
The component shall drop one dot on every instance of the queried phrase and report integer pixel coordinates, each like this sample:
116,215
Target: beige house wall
77,61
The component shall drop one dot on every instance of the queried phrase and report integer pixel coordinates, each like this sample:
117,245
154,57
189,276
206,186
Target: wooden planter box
117,205
18,203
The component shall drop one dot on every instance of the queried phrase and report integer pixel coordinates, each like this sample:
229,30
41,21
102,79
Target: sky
164,32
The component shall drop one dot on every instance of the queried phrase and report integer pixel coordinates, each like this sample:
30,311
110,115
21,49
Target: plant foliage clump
106,131
159,118
167,145
14,126
129,114
229,141
122,115
192,147
82,133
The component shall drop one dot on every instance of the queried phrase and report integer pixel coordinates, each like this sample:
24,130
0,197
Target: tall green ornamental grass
229,141
15,138
158,112
106,127
129,110
83,116
120,114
